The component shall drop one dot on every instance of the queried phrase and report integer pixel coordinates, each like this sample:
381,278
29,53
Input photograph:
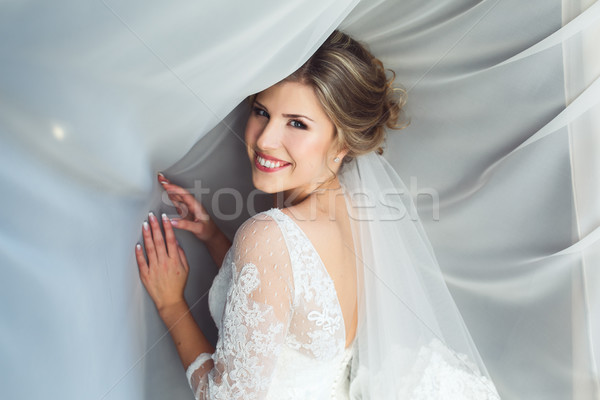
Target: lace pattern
282,334
255,318
444,374
436,372
323,315
272,291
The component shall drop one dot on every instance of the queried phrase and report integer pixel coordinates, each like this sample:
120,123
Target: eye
297,124
260,112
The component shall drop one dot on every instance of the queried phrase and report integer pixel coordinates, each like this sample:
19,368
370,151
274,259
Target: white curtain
501,157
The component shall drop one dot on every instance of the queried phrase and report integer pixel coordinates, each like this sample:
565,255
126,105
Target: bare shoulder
322,230
296,213
302,215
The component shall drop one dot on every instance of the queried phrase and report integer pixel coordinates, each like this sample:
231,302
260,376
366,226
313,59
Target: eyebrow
285,115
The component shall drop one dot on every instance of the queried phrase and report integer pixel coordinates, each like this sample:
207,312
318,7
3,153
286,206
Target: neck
320,197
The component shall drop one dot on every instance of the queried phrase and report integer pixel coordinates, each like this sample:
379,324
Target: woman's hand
164,276
165,273
194,217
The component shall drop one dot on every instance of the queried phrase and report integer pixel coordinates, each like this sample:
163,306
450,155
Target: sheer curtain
582,67
500,156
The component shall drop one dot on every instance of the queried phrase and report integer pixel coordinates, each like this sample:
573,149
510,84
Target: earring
337,159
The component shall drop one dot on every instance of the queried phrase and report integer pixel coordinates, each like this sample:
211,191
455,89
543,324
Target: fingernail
151,215
160,174
174,222
138,246
146,226
164,217
164,182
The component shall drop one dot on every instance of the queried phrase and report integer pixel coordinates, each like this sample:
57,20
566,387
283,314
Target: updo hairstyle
354,91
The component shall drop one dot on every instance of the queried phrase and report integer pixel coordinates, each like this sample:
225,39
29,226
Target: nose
270,136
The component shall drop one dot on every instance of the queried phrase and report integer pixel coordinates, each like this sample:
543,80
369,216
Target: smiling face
289,132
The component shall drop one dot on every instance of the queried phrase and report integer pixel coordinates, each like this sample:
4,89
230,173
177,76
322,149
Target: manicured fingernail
164,182
174,222
146,226
138,246
151,215
164,178
164,217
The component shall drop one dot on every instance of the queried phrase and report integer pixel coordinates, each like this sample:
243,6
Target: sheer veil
411,340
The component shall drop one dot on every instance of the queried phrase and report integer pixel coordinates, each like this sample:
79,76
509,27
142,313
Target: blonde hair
353,89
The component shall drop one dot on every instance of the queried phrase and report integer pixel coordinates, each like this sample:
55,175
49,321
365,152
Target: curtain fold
582,71
501,157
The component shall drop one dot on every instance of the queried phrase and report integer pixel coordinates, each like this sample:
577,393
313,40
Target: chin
267,186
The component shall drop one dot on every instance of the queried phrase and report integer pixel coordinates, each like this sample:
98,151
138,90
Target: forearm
218,247
185,332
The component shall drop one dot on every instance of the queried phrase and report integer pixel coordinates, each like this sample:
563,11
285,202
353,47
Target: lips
269,164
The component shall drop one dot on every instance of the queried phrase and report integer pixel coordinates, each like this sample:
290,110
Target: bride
334,293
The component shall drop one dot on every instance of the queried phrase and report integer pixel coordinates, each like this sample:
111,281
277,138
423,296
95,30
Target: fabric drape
500,157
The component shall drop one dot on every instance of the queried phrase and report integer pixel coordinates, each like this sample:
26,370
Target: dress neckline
279,211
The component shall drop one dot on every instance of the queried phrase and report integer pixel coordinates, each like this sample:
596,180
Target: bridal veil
411,340
96,96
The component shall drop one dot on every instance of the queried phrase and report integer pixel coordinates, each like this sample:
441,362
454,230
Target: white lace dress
281,330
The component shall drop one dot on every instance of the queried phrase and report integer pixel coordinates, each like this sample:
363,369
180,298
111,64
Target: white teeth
268,163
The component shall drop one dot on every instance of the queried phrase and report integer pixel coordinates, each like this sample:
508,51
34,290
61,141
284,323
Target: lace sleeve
255,322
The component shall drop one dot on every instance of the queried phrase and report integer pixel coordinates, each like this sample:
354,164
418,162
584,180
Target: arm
256,318
164,275
257,312
185,332
195,219
218,246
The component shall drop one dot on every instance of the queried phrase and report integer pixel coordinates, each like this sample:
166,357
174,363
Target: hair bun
355,93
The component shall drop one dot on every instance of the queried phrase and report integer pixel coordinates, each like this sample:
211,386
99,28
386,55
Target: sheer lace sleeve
255,320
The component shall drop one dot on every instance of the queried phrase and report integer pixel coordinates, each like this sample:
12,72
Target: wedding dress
281,329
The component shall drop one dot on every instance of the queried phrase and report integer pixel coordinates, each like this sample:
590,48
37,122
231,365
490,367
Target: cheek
311,151
252,131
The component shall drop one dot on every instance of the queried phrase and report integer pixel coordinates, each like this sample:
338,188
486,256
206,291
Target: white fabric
411,341
582,66
281,329
96,96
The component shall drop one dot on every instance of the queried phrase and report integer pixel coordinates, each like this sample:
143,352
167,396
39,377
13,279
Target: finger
174,200
169,236
179,196
185,201
175,190
141,261
149,243
161,178
199,212
183,258
158,240
172,189
186,225
182,210
178,208
183,197
193,208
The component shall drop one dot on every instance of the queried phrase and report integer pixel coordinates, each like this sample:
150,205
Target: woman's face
289,131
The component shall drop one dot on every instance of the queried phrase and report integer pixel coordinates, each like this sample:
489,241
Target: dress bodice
281,328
